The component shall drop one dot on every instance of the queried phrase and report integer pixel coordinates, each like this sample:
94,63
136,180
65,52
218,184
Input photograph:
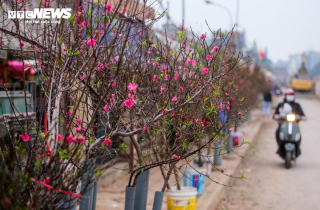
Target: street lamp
223,7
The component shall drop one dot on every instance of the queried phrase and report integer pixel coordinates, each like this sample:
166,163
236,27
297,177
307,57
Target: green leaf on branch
38,164
123,147
184,144
220,151
144,43
63,154
242,99
245,142
98,173
200,51
41,135
72,17
242,175
181,35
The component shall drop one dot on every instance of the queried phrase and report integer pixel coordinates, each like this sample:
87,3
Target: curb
211,199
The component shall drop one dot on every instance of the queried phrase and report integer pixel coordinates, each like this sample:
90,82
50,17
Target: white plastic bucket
184,199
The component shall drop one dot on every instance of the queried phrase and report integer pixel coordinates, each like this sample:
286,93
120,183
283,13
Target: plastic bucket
184,199
236,138
195,178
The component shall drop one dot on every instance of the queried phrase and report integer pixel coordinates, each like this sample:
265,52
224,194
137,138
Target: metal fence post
217,156
158,199
129,201
94,198
140,201
87,197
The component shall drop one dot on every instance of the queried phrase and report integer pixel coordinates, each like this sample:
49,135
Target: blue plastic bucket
195,177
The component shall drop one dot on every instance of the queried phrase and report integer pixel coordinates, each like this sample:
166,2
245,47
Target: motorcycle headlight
291,117
298,137
281,135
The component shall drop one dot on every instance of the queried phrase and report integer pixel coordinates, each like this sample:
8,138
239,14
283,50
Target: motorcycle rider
296,109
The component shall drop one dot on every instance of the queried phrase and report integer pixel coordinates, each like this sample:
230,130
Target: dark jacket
267,97
296,108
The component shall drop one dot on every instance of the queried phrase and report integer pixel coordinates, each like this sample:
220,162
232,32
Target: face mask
289,98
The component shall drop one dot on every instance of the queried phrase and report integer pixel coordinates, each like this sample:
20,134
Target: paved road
270,185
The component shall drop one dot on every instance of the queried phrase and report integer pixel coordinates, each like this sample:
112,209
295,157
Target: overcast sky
283,26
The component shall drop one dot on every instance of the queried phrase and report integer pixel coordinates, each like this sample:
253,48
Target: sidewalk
111,190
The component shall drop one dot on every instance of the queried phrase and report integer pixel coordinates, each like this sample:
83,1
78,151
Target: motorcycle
289,136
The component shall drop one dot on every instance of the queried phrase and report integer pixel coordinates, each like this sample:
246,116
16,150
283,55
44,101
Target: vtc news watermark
41,15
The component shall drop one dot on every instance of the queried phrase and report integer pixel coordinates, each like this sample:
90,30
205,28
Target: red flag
261,54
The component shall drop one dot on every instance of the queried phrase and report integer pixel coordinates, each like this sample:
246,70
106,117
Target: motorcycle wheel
288,160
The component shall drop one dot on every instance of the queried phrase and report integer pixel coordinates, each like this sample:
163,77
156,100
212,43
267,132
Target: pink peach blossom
91,42
208,57
69,139
167,77
25,137
205,71
107,142
192,62
215,49
144,128
202,36
78,129
79,121
128,103
155,78
162,90
106,108
176,76
174,156
109,8
132,86
82,139
174,99
59,137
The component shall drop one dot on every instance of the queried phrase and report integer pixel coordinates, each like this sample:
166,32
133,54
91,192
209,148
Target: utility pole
168,15
237,14
222,7
237,26
183,13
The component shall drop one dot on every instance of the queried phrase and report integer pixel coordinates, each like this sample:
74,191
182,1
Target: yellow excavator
301,81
